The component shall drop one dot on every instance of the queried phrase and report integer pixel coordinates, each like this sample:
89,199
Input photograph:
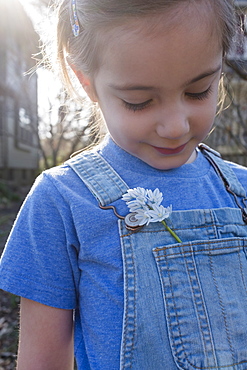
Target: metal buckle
131,222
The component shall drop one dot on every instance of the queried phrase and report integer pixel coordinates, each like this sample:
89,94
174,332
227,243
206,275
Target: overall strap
100,178
231,182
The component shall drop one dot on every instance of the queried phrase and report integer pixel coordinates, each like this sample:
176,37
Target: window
24,131
24,119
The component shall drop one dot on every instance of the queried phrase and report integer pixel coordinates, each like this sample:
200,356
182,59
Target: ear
86,84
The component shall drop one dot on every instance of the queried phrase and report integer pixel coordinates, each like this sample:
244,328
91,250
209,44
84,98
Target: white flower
146,207
143,217
138,193
159,213
135,205
154,197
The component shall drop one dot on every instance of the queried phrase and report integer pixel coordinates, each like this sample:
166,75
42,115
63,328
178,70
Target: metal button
131,221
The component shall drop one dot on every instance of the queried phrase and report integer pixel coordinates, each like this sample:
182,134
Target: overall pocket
204,286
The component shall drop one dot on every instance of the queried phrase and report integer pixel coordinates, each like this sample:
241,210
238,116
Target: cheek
207,119
209,109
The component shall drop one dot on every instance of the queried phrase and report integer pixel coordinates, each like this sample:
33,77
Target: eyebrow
203,75
131,87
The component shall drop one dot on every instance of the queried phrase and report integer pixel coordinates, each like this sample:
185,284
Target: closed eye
200,96
194,96
137,107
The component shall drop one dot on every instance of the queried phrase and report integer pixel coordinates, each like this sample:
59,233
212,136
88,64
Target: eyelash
200,96
139,107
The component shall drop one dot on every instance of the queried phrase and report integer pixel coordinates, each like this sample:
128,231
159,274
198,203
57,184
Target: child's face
158,92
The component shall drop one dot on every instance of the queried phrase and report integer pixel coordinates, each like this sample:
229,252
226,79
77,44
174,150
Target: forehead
189,14
183,40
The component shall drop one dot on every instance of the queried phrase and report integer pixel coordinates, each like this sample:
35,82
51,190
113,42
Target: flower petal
138,193
159,213
154,197
143,217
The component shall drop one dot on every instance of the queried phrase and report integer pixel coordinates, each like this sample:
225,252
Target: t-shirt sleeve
40,258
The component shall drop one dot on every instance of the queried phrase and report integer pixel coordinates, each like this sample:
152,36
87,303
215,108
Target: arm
46,337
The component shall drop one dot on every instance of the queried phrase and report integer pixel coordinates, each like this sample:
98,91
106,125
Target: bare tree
239,67
66,127
230,132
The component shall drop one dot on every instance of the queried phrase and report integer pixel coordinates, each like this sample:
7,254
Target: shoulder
50,187
54,197
66,175
240,171
61,181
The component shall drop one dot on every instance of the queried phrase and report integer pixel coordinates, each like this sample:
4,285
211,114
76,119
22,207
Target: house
230,134
19,152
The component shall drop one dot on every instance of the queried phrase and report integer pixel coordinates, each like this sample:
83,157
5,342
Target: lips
170,151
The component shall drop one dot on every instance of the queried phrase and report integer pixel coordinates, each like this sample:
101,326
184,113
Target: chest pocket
186,304
204,287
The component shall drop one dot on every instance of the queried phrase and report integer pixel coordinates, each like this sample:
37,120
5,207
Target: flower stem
171,232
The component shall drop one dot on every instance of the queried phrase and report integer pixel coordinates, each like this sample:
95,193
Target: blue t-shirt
64,251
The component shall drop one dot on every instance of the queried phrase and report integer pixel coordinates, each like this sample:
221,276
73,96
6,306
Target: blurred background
40,125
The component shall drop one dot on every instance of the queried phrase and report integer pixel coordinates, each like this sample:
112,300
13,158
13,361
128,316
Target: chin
168,163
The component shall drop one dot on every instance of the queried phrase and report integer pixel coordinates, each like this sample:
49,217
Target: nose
173,123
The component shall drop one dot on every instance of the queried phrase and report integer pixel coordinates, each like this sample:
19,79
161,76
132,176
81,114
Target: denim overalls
185,305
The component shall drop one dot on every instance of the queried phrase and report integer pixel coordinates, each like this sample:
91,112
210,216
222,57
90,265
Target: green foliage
7,195
14,301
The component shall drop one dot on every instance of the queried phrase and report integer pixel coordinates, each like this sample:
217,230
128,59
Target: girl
105,263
